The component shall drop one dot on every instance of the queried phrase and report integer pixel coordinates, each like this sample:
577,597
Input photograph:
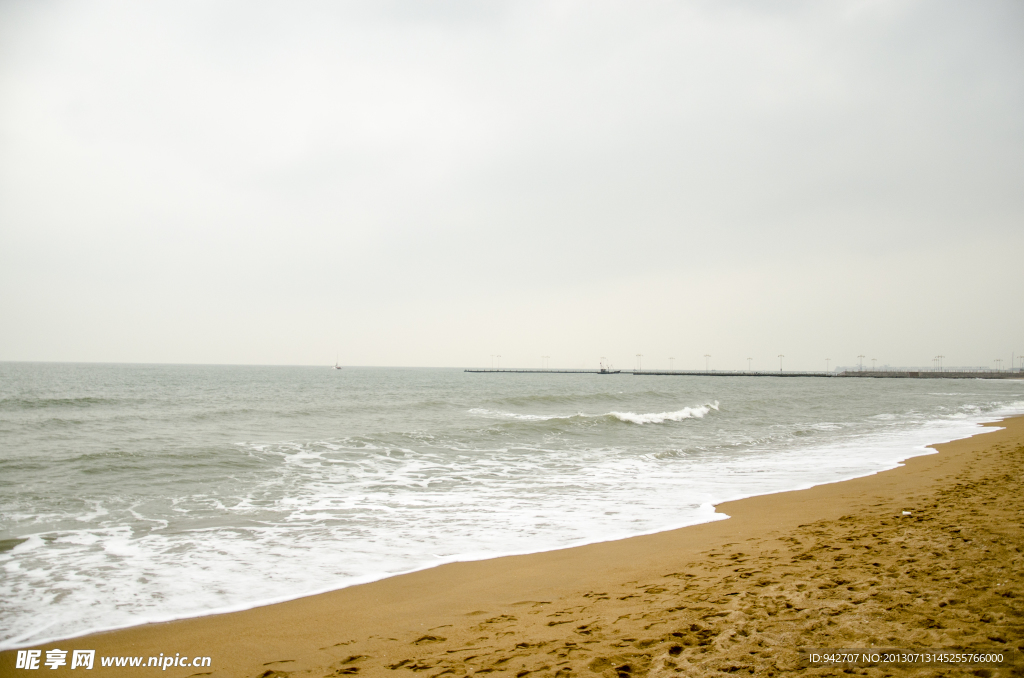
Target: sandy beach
534,339
927,555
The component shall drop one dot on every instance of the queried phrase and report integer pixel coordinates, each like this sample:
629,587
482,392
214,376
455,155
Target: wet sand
834,566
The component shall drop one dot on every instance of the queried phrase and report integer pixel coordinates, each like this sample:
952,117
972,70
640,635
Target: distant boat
337,366
607,369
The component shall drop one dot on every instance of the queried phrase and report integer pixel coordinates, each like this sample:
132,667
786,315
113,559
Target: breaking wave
628,417
662,417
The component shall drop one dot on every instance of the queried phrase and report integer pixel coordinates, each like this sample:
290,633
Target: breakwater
861,374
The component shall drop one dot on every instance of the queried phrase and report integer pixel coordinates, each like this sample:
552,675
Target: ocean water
137,493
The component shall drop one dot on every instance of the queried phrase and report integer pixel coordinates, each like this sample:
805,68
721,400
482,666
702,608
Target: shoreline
381,618
923,445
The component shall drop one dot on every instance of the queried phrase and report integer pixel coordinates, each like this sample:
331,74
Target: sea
140,493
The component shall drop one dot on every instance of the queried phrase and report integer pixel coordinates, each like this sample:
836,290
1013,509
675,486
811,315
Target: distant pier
933,374
732,373
538,370
859,374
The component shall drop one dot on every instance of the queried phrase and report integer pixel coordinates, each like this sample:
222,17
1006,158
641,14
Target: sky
438,182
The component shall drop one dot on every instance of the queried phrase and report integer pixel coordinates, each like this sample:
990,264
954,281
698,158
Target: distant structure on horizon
952,373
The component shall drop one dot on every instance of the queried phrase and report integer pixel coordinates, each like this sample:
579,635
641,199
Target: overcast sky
432,183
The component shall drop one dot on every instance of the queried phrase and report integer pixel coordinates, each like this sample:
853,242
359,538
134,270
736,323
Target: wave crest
493,414
628,417
16,403
662,417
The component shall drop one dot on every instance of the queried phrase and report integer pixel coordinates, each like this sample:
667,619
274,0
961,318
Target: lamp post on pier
827,361
639,362
707,362
780,362
860,363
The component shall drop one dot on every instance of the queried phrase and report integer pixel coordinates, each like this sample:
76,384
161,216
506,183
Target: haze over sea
136,493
